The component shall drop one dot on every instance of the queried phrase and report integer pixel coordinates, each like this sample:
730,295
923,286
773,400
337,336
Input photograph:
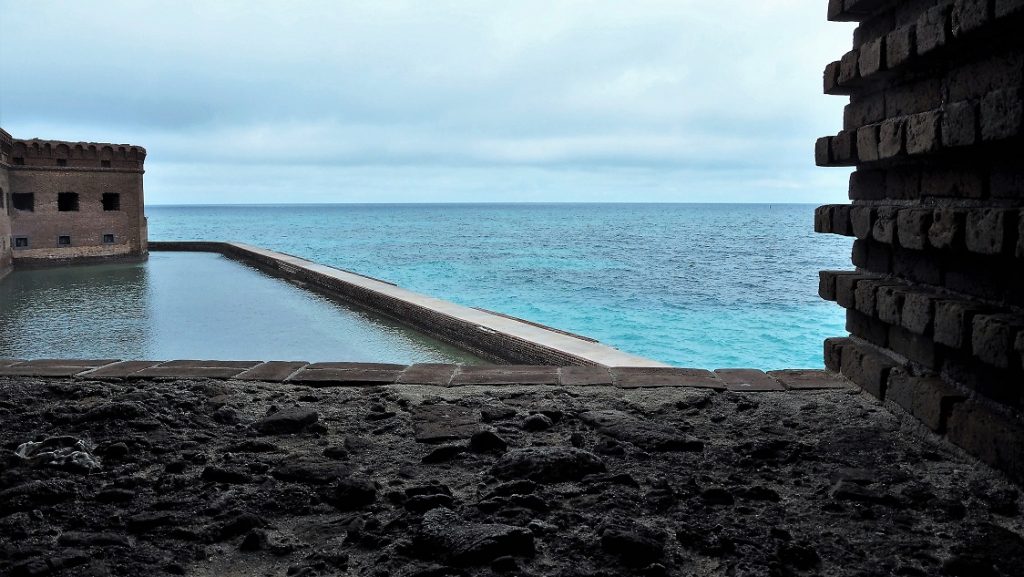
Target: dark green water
193,306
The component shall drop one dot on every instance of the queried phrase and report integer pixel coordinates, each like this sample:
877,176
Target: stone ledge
340,374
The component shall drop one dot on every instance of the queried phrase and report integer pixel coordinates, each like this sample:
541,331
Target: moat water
193,306
712,285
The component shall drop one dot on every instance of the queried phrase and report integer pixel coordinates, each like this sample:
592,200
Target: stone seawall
492,336
935,129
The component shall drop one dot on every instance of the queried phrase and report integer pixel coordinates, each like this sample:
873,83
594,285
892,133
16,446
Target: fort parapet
63,201
935,129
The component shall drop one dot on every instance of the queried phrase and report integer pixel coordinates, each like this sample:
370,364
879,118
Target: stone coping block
272,371
582,376
646,377
807,379
748,380
505,375
435,374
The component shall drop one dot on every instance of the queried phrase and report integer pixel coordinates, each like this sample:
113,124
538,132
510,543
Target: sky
437,101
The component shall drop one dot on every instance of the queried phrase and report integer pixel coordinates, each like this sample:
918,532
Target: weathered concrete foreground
195,476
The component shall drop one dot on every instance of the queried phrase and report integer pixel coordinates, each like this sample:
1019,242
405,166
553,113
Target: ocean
694,285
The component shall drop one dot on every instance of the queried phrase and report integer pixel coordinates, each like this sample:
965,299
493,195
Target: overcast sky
436,101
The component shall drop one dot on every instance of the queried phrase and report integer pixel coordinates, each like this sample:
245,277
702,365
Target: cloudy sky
436,101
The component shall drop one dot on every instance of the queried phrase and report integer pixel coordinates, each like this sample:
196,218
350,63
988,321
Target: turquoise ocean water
698,285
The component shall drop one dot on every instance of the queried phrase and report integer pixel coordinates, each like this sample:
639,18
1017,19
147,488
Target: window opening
67,201
64,240
111,201
108,239
21,242
24,201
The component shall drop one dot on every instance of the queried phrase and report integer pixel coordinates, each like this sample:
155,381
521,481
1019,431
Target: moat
194,305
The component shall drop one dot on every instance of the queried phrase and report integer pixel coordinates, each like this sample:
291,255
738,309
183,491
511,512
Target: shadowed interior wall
934,128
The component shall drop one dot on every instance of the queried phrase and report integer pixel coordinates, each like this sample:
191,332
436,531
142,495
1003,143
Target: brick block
822,151
889,303
868,369
1007,181
867,143
848,68
899,46
923,133
919,96
866,293
891,138
969,15
932,29
947,229
992,436
903,183
976,78
830,79
860,221
953,183
915,347
988,231
1002,115
918,312
859,253
862,110
959,124
867,328
823,218
844,148
884,228
993,338
1004,8
845,286
912,226
827,282
867,185
879,257
841,220
928,398
917,266
834,351
871,59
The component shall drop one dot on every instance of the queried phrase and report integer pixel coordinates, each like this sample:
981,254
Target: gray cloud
722,93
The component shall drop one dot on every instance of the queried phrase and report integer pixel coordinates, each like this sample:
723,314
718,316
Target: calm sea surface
712,285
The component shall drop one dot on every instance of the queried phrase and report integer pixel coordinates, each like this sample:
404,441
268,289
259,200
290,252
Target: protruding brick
871,59
918,312
1002,115
989,230
923,133
969,15
932,29
884,228
827,282
928,398
867,143
823,218
899,46
959,124
891,136
993,338
822,151
912,227
848,68
830,79
868,369
860,221
889,303
834,352
844,148
846,284
947,228
841,219
865,297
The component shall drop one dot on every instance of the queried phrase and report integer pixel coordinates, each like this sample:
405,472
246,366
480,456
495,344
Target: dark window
19,160
108,239
105,163
67,201
111,201
63,240
21,242
2,198
62,162
23,201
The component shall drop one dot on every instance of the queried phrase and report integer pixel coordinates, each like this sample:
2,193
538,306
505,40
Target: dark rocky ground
191,477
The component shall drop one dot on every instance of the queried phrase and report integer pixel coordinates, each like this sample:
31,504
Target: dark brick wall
935,129
90,170
6,146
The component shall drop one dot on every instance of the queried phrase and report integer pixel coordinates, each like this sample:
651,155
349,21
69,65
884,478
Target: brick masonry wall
47,168
935,129
6,147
